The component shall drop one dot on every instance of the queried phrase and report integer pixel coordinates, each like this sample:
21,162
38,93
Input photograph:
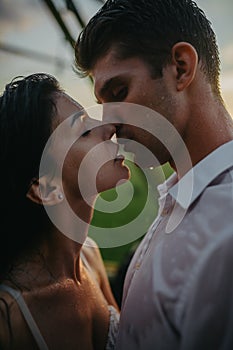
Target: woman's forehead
72,100
65,107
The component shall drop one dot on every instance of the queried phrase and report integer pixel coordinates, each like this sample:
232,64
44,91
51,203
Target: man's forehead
104,67
110,69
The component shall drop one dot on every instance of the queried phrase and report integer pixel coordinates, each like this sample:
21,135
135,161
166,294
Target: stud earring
60,196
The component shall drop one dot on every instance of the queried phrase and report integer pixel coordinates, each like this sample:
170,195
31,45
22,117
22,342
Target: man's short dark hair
148,29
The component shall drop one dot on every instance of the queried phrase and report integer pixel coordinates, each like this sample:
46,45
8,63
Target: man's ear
185,58
45,192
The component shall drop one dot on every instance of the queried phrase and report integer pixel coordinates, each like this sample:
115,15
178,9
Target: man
162,54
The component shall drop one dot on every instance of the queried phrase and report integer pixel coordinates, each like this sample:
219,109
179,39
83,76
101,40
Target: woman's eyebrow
76,116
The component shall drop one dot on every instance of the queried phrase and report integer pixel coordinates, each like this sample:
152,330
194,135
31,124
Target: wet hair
27,108
148,29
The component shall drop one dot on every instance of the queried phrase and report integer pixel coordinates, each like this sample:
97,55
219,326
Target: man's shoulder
217,194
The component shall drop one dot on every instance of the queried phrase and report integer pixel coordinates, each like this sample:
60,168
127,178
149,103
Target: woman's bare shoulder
4,322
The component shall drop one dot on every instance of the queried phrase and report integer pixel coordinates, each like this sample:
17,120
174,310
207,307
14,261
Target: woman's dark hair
27,107
148,29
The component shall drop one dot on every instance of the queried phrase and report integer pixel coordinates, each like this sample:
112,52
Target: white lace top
113,328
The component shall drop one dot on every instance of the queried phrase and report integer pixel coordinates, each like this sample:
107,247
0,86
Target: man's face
130,81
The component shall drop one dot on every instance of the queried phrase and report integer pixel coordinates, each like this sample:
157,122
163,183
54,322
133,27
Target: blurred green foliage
140,192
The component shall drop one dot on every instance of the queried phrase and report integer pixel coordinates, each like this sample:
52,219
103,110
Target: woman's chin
121,182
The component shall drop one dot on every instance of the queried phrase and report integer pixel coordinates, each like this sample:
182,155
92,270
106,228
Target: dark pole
56,14
59,20
14,50
71,6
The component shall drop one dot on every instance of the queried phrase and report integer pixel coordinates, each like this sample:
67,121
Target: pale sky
27,24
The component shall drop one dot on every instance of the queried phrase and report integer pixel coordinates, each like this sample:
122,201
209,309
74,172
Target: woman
54,291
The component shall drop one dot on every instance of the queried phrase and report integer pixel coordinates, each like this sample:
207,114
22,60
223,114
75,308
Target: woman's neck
57,258
55,261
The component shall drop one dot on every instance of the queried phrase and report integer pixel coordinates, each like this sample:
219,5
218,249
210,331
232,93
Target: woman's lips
119,157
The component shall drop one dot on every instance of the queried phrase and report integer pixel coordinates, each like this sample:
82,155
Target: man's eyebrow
75,116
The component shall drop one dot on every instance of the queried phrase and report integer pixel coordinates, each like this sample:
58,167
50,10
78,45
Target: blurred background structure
32,39
38,36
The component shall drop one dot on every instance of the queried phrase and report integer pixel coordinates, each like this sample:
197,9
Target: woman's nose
92,123
103,129
107,130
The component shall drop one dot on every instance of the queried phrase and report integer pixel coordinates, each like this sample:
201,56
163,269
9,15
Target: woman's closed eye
85,133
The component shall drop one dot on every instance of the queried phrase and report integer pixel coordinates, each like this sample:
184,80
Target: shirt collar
164,187
192,184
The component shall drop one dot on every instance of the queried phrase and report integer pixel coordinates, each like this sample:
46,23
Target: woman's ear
185,58
46,192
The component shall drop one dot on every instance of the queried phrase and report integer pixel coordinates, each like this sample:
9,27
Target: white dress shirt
178,291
